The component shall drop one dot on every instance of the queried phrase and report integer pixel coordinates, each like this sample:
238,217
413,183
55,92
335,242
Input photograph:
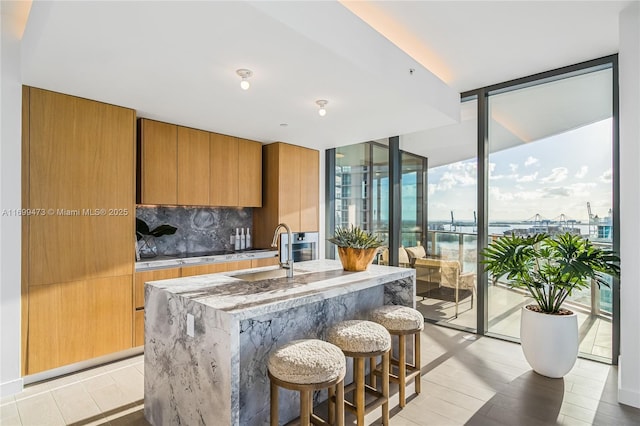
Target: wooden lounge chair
432,273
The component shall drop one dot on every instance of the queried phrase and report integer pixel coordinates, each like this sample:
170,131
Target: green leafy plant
550,268
354,237
142,229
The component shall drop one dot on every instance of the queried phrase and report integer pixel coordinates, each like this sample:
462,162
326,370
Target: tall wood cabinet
290,191
183,166
78,243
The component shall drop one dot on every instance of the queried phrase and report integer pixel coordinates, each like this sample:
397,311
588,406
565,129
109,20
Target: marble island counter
208,338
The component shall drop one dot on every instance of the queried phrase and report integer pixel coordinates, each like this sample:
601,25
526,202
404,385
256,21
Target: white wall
13,19
629,62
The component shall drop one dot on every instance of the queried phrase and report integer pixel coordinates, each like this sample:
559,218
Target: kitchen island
208,337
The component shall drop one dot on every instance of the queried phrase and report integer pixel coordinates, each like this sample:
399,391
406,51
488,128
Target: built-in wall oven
304,246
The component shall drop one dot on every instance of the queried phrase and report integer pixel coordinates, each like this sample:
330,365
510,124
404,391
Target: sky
551,176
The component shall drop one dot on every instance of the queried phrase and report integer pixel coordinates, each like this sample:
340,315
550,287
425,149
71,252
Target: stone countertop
162,262
313,281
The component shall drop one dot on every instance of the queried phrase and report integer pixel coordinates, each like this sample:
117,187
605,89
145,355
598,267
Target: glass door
550,170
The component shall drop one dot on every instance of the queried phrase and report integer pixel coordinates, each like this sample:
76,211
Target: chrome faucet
289,264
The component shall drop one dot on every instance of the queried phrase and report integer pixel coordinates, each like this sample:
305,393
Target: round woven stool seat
358,336
398,318
307,361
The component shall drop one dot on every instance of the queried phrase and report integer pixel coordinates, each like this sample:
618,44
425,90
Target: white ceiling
176,61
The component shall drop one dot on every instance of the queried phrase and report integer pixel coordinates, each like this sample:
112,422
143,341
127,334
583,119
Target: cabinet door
269,261
158,151
75,321
193,167
290,168
224,170
142,277
309,184
249,173
212,268
236,266
81,173
138,328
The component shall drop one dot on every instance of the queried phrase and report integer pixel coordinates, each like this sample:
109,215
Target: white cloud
513,167
498,195
530,161
582,172
558,174
528,178
607,176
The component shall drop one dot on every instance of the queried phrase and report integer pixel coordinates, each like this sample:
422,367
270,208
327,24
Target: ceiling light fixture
245,74
322,103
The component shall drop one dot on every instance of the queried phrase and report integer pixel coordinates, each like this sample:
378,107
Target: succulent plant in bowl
356,247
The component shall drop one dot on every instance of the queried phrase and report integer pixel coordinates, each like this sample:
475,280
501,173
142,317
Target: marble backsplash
199,228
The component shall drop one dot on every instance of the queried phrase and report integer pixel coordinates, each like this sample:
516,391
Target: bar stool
401,321
361,340
305,366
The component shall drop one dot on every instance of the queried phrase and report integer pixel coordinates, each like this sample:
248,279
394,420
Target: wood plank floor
466,381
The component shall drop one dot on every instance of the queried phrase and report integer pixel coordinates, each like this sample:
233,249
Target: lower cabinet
76,321
267,261
138,328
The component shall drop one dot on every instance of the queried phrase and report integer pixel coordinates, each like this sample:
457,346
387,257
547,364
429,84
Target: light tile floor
467,380
504,318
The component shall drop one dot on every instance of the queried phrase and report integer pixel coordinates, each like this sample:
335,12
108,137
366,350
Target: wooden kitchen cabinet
211,268
76,321
236,172
138,328
183,166
267,261
157,162
193,167
249,173
78,172
290,191
223,190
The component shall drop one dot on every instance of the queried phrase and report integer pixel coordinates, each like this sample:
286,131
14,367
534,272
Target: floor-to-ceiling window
550,170
361,185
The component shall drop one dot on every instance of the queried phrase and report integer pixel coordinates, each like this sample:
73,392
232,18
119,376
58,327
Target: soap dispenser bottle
237,240
242,240
248,239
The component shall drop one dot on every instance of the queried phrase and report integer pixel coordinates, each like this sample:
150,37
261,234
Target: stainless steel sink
270,274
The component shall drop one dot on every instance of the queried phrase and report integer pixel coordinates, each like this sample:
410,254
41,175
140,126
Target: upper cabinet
193,167
157,162
249,173
291,191
183,166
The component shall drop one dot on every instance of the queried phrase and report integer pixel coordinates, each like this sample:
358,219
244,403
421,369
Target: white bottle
242,241
248,239
237,242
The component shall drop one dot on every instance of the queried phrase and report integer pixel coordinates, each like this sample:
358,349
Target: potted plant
356,247
146,238
550,269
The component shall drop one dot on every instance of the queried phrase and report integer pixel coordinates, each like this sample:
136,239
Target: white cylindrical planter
549,342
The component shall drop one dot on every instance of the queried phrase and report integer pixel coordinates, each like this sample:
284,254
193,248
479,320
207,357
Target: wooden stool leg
274,404
385,388
402,369
372,367
416,361
359,396
332,404
305,408
339,421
